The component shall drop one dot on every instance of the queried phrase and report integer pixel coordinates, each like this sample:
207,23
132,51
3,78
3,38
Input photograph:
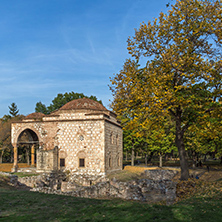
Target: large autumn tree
182,76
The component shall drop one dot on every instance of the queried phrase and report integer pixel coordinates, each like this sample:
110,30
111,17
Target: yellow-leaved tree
182,76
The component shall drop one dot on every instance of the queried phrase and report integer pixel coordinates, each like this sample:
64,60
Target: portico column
33,155
15,165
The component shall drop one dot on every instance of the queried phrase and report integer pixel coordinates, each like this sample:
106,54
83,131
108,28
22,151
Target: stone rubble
158,189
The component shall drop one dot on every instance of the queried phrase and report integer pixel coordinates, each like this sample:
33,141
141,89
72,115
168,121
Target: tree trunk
126,156
132,156
136,155
161,161
146,159
150,157
1,157
181,148
205,157
194,159
194,163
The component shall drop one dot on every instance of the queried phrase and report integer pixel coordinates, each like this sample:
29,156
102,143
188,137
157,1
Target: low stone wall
51,180
160,174
155,188
139,190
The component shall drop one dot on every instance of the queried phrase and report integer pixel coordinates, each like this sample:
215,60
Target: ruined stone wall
47,160
159,188
113,147
139,190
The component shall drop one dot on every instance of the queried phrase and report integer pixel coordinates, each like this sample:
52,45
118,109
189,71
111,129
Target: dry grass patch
7,167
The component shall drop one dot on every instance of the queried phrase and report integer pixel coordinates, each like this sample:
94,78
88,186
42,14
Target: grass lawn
198,200
19,205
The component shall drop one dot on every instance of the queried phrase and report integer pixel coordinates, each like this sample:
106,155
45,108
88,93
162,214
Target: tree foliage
6,148
13,110
60,100
182,77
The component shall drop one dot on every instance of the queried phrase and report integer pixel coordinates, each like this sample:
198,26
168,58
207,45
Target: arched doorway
25,148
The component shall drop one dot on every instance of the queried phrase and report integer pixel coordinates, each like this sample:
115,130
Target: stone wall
47,160
148,190
139,190
82,140
113,147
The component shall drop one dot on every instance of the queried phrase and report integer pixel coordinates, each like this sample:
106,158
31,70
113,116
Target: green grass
25,174
18,205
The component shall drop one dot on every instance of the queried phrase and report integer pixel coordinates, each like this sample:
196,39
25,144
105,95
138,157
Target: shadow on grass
17,205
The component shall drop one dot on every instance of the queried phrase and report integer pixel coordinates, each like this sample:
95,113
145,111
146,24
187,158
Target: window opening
110,162
117,140
111,138
118,161
62,162
81,162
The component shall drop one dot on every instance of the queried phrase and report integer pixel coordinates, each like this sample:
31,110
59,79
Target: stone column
15,165
33,155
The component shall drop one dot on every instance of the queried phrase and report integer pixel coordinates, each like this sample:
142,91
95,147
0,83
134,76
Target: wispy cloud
51,47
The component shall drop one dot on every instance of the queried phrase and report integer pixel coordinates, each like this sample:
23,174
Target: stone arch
28,129
26,136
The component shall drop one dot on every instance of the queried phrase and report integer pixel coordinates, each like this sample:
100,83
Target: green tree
60,100
179,80
13,110
41,108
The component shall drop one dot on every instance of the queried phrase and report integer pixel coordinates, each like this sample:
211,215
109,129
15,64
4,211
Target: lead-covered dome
83,103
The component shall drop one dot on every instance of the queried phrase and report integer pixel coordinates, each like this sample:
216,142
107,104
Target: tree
60,100
13,110
41,108
179,80
6,147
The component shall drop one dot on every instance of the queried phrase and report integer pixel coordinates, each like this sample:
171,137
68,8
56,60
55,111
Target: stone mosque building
82,137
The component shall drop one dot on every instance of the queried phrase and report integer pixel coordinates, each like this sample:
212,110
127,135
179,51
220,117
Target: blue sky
56,46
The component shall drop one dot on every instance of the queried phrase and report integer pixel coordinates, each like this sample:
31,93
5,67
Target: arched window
111,138
118,161
110,161
117,140
82,159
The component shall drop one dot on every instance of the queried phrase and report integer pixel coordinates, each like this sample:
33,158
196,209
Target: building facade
82,137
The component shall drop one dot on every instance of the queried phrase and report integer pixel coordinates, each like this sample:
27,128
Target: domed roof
35,116
83,103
